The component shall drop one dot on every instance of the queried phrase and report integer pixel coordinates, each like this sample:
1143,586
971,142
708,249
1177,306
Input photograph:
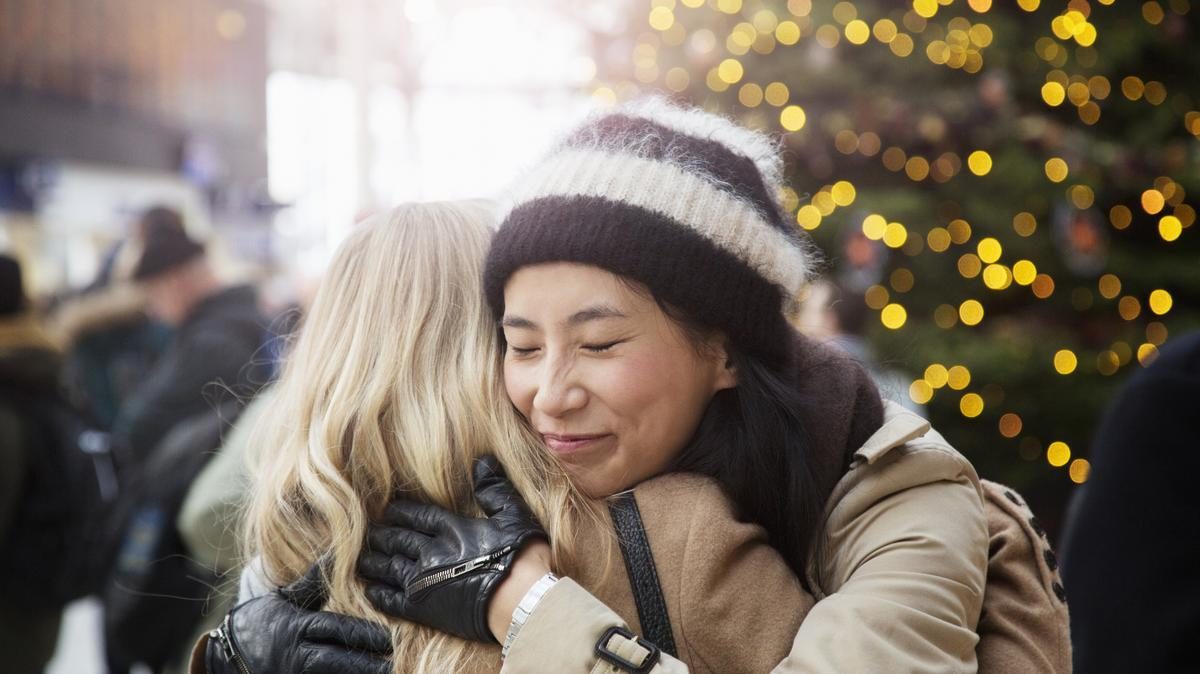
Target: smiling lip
571,444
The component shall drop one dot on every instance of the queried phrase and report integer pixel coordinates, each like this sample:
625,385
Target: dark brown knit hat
678,199
165,248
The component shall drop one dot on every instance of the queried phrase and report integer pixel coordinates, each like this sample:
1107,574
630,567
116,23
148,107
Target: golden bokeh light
971,405
989,250
902,280
970,312
1153,201
1024,272
1147,354
1057,169
1110,286
876,297
1079,471
893,316
969,265
1058,454
808,217
792,118
858,32
1160,301
1024,224
938,239
661,18
874,226
776,94
937,375
958,377
917,168
1065,361
960,231
979,162
1010,425
920,392
895,235
997,277
1170,228
1053,93
1120,216
1129,307
1043,286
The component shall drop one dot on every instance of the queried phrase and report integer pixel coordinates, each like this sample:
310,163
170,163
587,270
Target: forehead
568,286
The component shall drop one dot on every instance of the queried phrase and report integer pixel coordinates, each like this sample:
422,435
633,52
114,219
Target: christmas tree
1003,188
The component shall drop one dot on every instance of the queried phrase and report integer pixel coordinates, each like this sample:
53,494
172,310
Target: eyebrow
592,313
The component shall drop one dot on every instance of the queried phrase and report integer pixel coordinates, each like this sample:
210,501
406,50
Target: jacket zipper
486,562
222,634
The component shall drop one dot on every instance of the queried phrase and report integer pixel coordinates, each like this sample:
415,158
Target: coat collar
899,426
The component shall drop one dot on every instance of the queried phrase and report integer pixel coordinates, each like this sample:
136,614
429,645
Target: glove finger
309,591
381,568
387,600
425,518
325,659
343,631
397,541
493,490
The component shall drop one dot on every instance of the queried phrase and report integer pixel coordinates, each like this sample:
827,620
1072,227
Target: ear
726,371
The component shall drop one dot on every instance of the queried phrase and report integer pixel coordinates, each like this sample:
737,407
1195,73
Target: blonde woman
394,385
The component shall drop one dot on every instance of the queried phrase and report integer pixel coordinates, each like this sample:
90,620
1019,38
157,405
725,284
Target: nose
558,393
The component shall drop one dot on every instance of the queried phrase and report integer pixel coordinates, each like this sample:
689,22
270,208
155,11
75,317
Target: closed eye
601,348
519,351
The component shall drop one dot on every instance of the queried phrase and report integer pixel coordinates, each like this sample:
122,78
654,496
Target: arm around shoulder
903,566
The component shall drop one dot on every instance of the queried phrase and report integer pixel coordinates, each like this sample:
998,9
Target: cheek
519,387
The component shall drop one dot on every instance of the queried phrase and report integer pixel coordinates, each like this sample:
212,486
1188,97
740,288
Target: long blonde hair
394,384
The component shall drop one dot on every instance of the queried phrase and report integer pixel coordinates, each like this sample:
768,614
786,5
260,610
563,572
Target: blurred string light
958,42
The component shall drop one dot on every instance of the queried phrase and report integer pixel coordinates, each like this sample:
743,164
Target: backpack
69,486
156,594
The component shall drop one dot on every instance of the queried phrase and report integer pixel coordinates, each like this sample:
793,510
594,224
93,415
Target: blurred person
218,331
109,341
828,312
1129,557
29,369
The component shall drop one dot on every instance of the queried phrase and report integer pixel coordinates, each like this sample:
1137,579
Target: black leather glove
286,632
430,566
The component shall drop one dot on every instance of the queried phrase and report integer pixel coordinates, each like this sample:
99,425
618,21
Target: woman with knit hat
641,279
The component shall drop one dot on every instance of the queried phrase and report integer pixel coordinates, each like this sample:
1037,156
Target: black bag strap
643,575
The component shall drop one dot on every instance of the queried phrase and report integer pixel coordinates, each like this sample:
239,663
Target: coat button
1051,559
1059,591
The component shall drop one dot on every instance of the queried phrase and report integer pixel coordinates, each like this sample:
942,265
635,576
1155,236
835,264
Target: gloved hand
286,632
430,566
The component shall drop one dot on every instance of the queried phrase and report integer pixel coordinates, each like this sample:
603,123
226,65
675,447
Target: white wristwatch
525,607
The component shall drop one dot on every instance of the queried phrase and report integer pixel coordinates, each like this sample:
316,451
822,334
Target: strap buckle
603,652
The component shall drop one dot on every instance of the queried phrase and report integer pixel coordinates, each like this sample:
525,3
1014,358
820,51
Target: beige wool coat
899,583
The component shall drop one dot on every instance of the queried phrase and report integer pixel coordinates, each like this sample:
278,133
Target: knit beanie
678,199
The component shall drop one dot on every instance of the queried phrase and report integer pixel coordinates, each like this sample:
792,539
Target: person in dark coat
29,368
213,353
1129,562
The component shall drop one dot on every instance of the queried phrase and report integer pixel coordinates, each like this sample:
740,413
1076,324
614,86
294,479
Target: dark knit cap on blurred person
678,199
165,247
12,289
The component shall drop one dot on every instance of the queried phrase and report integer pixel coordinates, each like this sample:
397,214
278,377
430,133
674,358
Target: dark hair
752,440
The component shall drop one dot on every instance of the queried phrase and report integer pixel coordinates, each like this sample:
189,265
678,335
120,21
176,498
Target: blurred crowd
114,402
